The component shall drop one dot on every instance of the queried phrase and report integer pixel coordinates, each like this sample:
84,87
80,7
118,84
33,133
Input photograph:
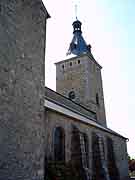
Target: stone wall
55,119
82,75
22,52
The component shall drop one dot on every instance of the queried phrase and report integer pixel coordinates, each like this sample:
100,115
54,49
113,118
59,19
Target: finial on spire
78,45
76,8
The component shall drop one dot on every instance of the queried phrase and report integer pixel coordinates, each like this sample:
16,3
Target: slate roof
69,104
63,101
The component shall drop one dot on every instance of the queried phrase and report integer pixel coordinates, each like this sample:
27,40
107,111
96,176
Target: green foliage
131,164
130,158
62,171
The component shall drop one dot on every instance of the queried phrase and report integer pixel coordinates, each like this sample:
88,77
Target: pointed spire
78,45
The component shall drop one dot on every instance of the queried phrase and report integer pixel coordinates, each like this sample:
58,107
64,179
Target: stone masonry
82,75
22,52
76,130
36,127
55,119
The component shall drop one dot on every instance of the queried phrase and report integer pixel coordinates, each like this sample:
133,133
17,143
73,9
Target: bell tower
79,78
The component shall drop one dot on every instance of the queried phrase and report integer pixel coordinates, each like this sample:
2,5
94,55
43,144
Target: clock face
71,95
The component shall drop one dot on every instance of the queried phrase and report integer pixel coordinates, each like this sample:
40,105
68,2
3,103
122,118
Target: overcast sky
109,26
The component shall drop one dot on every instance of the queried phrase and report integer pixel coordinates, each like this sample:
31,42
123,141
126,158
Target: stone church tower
79,78
22,52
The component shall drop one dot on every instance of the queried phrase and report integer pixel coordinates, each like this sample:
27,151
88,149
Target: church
47,135
77,131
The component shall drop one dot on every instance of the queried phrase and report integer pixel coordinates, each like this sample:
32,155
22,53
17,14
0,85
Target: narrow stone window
0,8
62,66
97,99
70,63
78,61
59,144
86,149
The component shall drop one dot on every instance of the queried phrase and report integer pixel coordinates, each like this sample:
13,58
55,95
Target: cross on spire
76,8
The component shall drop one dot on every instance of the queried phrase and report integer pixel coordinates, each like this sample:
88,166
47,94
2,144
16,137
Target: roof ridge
71,100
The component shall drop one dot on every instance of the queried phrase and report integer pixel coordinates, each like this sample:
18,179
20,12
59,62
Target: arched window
59,144
96,158
79,148
112,168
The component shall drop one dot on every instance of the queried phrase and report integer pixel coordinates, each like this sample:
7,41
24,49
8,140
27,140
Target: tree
132,165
